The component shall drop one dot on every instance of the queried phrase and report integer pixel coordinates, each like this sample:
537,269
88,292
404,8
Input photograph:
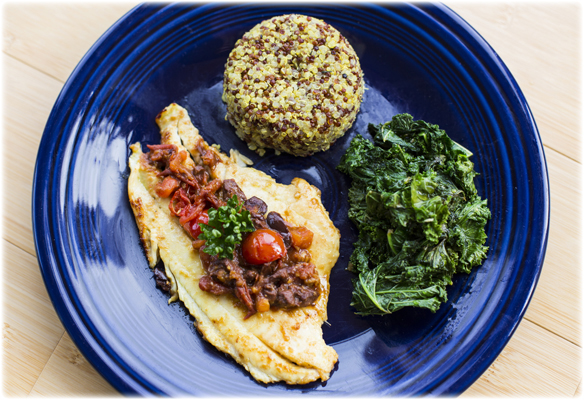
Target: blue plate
420,59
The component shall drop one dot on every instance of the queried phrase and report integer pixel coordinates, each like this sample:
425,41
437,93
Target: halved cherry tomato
195,227
263,246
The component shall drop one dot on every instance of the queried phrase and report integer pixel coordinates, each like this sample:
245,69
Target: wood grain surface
540,44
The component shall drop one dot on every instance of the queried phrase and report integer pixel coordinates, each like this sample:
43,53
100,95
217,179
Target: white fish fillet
275,345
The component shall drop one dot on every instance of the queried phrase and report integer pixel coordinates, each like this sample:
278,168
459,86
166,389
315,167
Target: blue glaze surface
421,59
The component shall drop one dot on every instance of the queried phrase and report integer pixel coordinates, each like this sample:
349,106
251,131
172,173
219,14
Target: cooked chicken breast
276,345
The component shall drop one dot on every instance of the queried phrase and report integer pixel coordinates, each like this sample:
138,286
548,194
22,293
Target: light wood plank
556,304
578,393
28,98
534,363
540,44
68,373
31,327
53,38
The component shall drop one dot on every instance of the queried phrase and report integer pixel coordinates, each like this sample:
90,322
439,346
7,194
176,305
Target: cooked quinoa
292,83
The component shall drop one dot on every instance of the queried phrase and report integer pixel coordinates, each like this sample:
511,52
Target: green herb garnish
225,228
419,217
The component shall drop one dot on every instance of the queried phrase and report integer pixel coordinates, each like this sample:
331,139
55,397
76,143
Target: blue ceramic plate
420,59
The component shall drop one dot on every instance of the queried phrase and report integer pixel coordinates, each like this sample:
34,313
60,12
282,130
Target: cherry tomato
263,246
195,227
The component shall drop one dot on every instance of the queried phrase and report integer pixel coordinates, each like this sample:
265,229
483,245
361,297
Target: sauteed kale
419,216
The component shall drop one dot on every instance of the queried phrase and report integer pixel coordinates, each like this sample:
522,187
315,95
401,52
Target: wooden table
538,42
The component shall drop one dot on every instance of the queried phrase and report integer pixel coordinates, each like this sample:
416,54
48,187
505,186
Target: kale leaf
225,228
420,219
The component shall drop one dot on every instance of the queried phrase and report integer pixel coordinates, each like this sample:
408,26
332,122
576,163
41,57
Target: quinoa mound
292,83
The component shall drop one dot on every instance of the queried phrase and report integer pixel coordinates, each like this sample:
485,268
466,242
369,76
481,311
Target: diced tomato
263,246
262,304
301,237
195,227
167,186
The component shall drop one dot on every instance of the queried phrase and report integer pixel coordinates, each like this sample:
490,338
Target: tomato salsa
270,269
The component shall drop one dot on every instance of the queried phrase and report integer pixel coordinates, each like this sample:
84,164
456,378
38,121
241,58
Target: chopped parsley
225,228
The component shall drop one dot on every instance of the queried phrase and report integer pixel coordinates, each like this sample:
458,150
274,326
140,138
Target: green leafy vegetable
419,217
225,228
